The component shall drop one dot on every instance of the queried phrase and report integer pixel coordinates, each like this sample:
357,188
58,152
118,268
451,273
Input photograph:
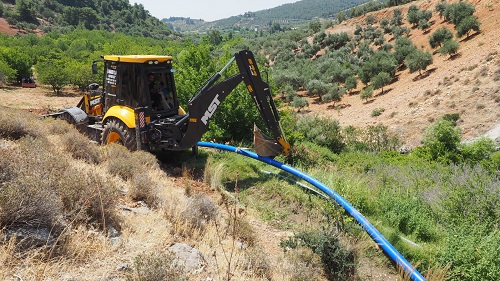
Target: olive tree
418,60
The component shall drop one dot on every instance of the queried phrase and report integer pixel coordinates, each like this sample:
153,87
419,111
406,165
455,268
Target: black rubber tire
82,128
117,132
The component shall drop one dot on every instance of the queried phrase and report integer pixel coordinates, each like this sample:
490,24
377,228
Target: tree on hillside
351,82
439,36
317,87
380,80
450,47
299,102
397,17
441,8
466,25
341,17
26,10
380,62
334,93
413,15
315,26
458,11
215,37
404,46
418,60
366,93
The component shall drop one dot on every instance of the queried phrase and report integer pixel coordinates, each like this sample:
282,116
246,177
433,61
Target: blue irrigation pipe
370,229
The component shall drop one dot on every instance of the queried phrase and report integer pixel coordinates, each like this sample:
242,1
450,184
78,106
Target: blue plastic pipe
370,229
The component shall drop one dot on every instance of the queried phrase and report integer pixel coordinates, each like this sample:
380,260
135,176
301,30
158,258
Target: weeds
338,262
80,147
199,211
15,124
144,188
157,266
377,112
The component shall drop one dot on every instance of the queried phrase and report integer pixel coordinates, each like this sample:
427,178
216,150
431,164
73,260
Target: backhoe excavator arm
205,103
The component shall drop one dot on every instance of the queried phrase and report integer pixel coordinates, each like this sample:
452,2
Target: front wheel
117,132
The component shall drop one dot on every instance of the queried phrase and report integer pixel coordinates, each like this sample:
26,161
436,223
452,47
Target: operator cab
141,81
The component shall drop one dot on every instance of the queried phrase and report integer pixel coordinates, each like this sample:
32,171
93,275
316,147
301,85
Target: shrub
324,132
143,188
338,262
124,163
411,216
305,265
157,266
199,211
441,141
257,261
452,117
377,112
309,154
472,253
80,147
40,186
15,124
480,149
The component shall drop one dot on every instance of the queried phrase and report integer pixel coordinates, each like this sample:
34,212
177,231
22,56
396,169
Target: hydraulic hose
369,228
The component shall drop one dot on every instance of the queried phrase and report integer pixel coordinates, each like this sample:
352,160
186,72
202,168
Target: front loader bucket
265,146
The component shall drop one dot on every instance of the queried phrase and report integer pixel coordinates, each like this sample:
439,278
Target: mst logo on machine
211,109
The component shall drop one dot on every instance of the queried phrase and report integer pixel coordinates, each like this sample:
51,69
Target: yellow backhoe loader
137,105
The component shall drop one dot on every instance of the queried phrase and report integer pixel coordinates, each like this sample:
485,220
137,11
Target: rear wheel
117,132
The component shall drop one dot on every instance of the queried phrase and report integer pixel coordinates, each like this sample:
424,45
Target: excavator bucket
265,146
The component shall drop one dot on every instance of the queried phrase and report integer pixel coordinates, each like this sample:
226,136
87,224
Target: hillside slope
286,14
467,84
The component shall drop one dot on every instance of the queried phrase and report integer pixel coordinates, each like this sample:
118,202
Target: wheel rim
114,137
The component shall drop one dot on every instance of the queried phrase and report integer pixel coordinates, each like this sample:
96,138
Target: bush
80,147
411,216
377,112
479,150
323,132
143,188
40,186
199,211
441,141
338,262
157,266
308,154
124,163
472,253
15,124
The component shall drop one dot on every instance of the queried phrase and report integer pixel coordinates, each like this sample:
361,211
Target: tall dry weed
15,124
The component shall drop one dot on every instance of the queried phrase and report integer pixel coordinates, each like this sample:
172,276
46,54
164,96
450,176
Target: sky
206,9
